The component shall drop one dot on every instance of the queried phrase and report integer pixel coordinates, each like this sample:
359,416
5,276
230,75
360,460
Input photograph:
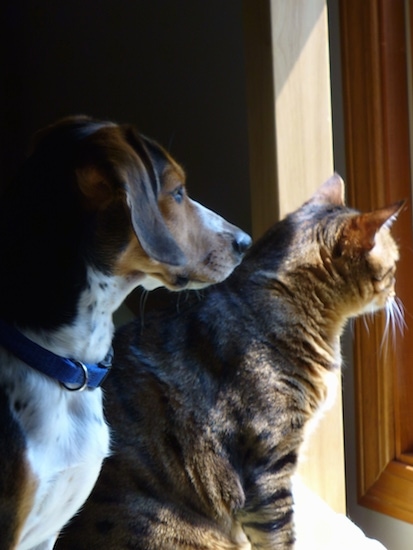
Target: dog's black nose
241,242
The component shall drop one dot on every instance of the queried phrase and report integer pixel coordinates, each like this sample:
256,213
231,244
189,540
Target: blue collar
67,371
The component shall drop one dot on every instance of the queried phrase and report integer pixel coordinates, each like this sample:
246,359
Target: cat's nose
241,242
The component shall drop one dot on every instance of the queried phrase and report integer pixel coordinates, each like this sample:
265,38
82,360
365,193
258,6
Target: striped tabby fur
208,405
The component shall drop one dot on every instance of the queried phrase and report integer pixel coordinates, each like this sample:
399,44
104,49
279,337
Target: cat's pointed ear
362,229
331,192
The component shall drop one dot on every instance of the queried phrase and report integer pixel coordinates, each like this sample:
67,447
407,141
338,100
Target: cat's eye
381,277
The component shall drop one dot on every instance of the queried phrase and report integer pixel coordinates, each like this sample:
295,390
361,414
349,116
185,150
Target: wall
175,69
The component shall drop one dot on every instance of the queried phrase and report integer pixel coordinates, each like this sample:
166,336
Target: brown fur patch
17,483
25,495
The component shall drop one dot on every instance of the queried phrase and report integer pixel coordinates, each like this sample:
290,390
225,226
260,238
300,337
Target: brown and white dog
97,210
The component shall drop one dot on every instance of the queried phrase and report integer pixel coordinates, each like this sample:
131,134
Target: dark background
174,68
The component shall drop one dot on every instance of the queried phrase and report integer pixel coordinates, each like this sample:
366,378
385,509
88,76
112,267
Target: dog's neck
88,336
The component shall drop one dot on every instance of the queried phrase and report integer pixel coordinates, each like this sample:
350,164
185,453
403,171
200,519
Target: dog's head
134,217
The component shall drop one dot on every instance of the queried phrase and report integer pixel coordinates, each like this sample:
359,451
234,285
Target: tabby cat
209,404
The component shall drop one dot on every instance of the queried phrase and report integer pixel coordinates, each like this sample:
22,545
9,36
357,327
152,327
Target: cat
209,404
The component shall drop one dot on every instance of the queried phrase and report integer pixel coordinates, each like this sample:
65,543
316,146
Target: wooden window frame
376,114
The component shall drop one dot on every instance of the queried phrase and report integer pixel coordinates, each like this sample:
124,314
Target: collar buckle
83,385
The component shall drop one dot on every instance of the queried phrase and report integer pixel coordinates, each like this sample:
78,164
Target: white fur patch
89,337
211,220
67,442
67,436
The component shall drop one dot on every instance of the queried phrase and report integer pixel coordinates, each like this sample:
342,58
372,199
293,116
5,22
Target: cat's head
334,255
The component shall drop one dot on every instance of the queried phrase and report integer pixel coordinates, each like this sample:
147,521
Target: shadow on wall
175,69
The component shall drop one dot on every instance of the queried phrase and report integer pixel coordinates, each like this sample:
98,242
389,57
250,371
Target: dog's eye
178,194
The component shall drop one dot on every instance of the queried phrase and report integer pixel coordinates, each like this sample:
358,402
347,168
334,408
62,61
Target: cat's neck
291,318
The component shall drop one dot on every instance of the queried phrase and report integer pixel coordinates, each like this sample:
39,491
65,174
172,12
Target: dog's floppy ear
148,223
142,188
112,162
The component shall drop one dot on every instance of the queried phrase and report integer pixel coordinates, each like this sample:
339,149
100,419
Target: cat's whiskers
395,322
367,317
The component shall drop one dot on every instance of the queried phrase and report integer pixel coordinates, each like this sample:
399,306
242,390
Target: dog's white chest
67,440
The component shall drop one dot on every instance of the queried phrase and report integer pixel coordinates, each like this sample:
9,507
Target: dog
96,210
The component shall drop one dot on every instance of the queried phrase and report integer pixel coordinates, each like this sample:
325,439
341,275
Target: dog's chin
149,282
